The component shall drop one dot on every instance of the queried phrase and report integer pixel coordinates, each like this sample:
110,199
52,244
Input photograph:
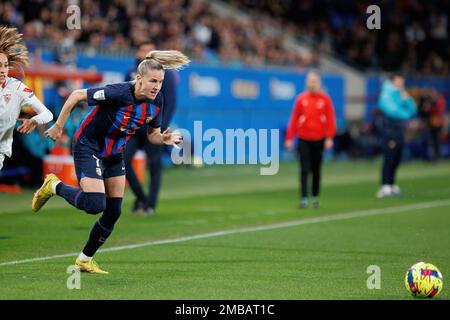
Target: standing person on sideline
120,110
15,94
436,122
313,121
396,106
145,205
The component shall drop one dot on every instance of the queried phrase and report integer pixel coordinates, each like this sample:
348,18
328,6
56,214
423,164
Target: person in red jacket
313,121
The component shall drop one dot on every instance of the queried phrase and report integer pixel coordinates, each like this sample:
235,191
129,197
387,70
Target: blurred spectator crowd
186,25
414,35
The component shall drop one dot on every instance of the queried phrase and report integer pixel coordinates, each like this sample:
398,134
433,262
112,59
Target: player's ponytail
169,59
162,59
11,45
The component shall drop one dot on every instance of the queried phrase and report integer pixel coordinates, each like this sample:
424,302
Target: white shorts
2,158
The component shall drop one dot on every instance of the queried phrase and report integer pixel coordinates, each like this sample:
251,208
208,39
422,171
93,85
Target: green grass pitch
214,250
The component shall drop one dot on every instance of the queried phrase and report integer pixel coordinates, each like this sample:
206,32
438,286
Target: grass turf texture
326,260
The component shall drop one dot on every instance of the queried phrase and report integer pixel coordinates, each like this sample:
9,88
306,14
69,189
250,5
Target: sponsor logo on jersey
28,90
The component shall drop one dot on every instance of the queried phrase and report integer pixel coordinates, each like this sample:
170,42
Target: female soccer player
14,94
120,110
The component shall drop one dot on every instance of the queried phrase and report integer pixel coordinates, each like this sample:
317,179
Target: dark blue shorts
87,164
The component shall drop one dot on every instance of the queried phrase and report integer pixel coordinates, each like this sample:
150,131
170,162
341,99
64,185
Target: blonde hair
11,44
162,59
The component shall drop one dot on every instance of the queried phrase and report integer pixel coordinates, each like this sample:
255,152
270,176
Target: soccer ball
424,280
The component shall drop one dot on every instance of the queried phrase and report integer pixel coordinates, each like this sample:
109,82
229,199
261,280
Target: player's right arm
74,98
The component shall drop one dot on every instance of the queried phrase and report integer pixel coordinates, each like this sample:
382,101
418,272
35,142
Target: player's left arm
27,97
155,136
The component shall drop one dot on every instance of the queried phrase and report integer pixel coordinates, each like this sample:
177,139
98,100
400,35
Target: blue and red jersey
114,118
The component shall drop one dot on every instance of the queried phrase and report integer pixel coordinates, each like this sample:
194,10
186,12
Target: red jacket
312,118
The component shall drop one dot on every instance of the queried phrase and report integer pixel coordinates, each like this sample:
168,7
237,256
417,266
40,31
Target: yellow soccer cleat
44,192
89,266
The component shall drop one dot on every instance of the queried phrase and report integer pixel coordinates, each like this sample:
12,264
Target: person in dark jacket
396,107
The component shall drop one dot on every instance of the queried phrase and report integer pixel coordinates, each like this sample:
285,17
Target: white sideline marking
334,217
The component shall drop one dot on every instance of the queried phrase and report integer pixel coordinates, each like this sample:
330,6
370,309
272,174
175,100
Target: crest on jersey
148,119
7,97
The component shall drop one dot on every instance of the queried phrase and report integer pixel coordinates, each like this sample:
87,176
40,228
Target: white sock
54,184
84,257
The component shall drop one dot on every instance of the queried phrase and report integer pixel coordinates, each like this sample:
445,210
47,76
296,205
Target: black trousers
392,149
154,153
310,153
435,134
392,145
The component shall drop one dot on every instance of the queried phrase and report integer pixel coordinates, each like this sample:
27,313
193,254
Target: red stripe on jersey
86,122
109,147
123,123
143,115
126,140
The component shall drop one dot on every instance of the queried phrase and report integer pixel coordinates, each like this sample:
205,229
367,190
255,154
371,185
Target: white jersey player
14,94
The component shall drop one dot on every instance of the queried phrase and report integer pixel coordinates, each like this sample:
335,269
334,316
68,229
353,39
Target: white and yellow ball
424,280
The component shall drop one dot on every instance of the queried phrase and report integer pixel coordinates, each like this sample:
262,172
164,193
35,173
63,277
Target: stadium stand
415,37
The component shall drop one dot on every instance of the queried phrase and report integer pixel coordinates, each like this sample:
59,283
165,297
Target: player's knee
95,202
112,212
